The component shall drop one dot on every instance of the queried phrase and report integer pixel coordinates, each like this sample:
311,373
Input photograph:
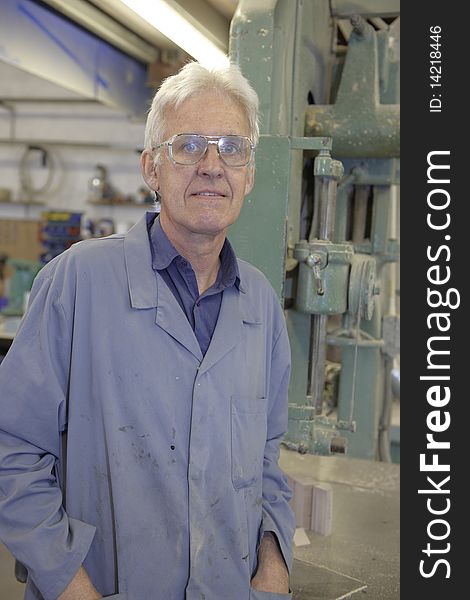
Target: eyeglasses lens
188,149
234,150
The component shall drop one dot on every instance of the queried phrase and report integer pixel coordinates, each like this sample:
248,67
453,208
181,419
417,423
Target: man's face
206,197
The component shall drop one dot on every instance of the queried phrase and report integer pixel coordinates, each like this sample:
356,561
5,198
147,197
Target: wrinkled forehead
209,112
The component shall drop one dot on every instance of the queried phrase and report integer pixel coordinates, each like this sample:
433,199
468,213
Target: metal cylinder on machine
331,269
322,287
321,273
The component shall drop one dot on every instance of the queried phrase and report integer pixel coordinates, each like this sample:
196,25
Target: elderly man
145,396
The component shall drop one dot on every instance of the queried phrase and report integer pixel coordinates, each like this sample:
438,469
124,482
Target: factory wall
77,137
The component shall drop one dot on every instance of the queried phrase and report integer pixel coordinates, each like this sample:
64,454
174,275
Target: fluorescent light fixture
179,30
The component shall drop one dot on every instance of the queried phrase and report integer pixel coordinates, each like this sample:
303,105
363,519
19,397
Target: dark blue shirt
202,310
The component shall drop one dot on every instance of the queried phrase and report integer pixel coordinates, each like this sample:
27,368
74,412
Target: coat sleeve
277,514
33,389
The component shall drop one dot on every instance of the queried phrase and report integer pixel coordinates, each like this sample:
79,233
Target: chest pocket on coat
248,433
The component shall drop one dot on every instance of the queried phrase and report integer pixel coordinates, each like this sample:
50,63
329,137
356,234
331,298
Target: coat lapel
148,290
171,318
235,312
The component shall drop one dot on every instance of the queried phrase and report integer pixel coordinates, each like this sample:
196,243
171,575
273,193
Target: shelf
134,204
22,203
74,144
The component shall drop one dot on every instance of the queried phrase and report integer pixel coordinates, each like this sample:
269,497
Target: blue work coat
124,449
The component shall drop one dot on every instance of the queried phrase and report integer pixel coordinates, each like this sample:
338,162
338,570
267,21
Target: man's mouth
208,194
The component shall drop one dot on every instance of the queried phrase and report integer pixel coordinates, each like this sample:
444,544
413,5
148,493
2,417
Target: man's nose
211,163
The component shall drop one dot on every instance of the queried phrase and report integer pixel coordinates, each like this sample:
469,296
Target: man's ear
149,171
250,179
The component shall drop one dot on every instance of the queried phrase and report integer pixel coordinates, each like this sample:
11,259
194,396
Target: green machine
20,284
321,222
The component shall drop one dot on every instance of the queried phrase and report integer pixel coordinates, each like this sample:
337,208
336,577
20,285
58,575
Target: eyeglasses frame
210,139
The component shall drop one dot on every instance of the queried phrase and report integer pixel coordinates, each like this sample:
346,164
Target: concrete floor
360,559
10,589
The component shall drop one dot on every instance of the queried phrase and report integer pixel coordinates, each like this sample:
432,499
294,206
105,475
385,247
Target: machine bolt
359,24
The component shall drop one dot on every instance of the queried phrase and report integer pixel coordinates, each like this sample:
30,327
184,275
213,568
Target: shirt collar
163,254
163,251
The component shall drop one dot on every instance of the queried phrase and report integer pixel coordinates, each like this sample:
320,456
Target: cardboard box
21,238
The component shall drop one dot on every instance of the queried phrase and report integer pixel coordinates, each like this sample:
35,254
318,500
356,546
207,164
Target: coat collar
148,290
163,254
141,280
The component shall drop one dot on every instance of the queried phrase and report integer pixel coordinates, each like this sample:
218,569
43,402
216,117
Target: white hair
193,79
